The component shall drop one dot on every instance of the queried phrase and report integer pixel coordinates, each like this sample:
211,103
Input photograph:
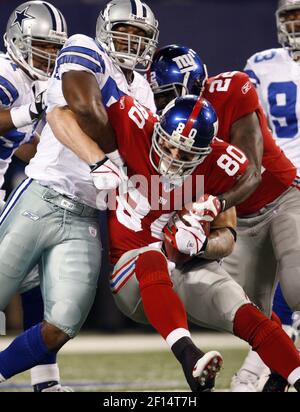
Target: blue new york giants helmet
181,139
177,71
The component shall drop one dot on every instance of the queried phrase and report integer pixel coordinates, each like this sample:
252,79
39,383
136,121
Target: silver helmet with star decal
36,31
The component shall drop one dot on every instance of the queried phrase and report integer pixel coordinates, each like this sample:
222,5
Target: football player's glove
185,238
38,106
28,113
206,209
107,175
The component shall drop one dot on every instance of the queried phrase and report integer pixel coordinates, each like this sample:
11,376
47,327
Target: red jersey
233,96
143,211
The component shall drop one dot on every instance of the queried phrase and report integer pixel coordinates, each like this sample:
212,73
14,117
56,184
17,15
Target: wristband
233,232
222,202
203,249
20,116
98,164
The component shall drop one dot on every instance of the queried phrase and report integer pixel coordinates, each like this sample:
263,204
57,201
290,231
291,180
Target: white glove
107,176
186,239
25,115
206,209
38,106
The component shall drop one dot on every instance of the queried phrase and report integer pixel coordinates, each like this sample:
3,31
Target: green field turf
153,371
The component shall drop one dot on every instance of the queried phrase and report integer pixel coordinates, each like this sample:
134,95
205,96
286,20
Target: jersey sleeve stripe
255,80
4,97
85,53
110,92
8,89
85,61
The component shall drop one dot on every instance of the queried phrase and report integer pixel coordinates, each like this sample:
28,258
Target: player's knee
253,326
66,315
152,268
53,337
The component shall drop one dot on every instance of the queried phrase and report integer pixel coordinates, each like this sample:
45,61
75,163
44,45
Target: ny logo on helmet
185,62
20,16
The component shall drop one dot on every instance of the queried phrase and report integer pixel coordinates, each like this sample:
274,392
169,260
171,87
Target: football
172,253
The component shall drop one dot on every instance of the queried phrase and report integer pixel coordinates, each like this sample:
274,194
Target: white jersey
56,166
15,91
277,79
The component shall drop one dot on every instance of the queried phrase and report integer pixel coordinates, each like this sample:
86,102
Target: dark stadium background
224,32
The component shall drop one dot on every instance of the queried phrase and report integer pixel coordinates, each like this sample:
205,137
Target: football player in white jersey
52,217
276,75
35,33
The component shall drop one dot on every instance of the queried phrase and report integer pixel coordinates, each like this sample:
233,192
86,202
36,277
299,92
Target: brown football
172,253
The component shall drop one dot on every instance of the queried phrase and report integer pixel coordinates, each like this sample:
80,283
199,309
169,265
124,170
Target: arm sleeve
80,53
251,72
244,98
8,91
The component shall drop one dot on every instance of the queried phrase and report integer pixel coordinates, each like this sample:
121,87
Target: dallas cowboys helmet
288,29
34,21
176,71
140,49
188,123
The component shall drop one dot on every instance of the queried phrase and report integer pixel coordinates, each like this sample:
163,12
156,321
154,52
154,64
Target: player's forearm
82,93
27,151
220,244
66,129
94,122
244,187
6,123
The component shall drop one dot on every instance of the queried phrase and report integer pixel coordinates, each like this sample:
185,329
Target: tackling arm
27,150
83,96
105,174
246,134
26,114
6,123
65,127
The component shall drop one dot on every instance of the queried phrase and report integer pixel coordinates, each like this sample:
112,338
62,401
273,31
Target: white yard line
139,343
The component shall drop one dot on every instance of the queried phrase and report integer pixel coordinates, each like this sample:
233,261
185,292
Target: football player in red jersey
269,217
179,148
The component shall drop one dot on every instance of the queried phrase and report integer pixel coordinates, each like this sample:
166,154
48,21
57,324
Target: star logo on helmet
20,16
